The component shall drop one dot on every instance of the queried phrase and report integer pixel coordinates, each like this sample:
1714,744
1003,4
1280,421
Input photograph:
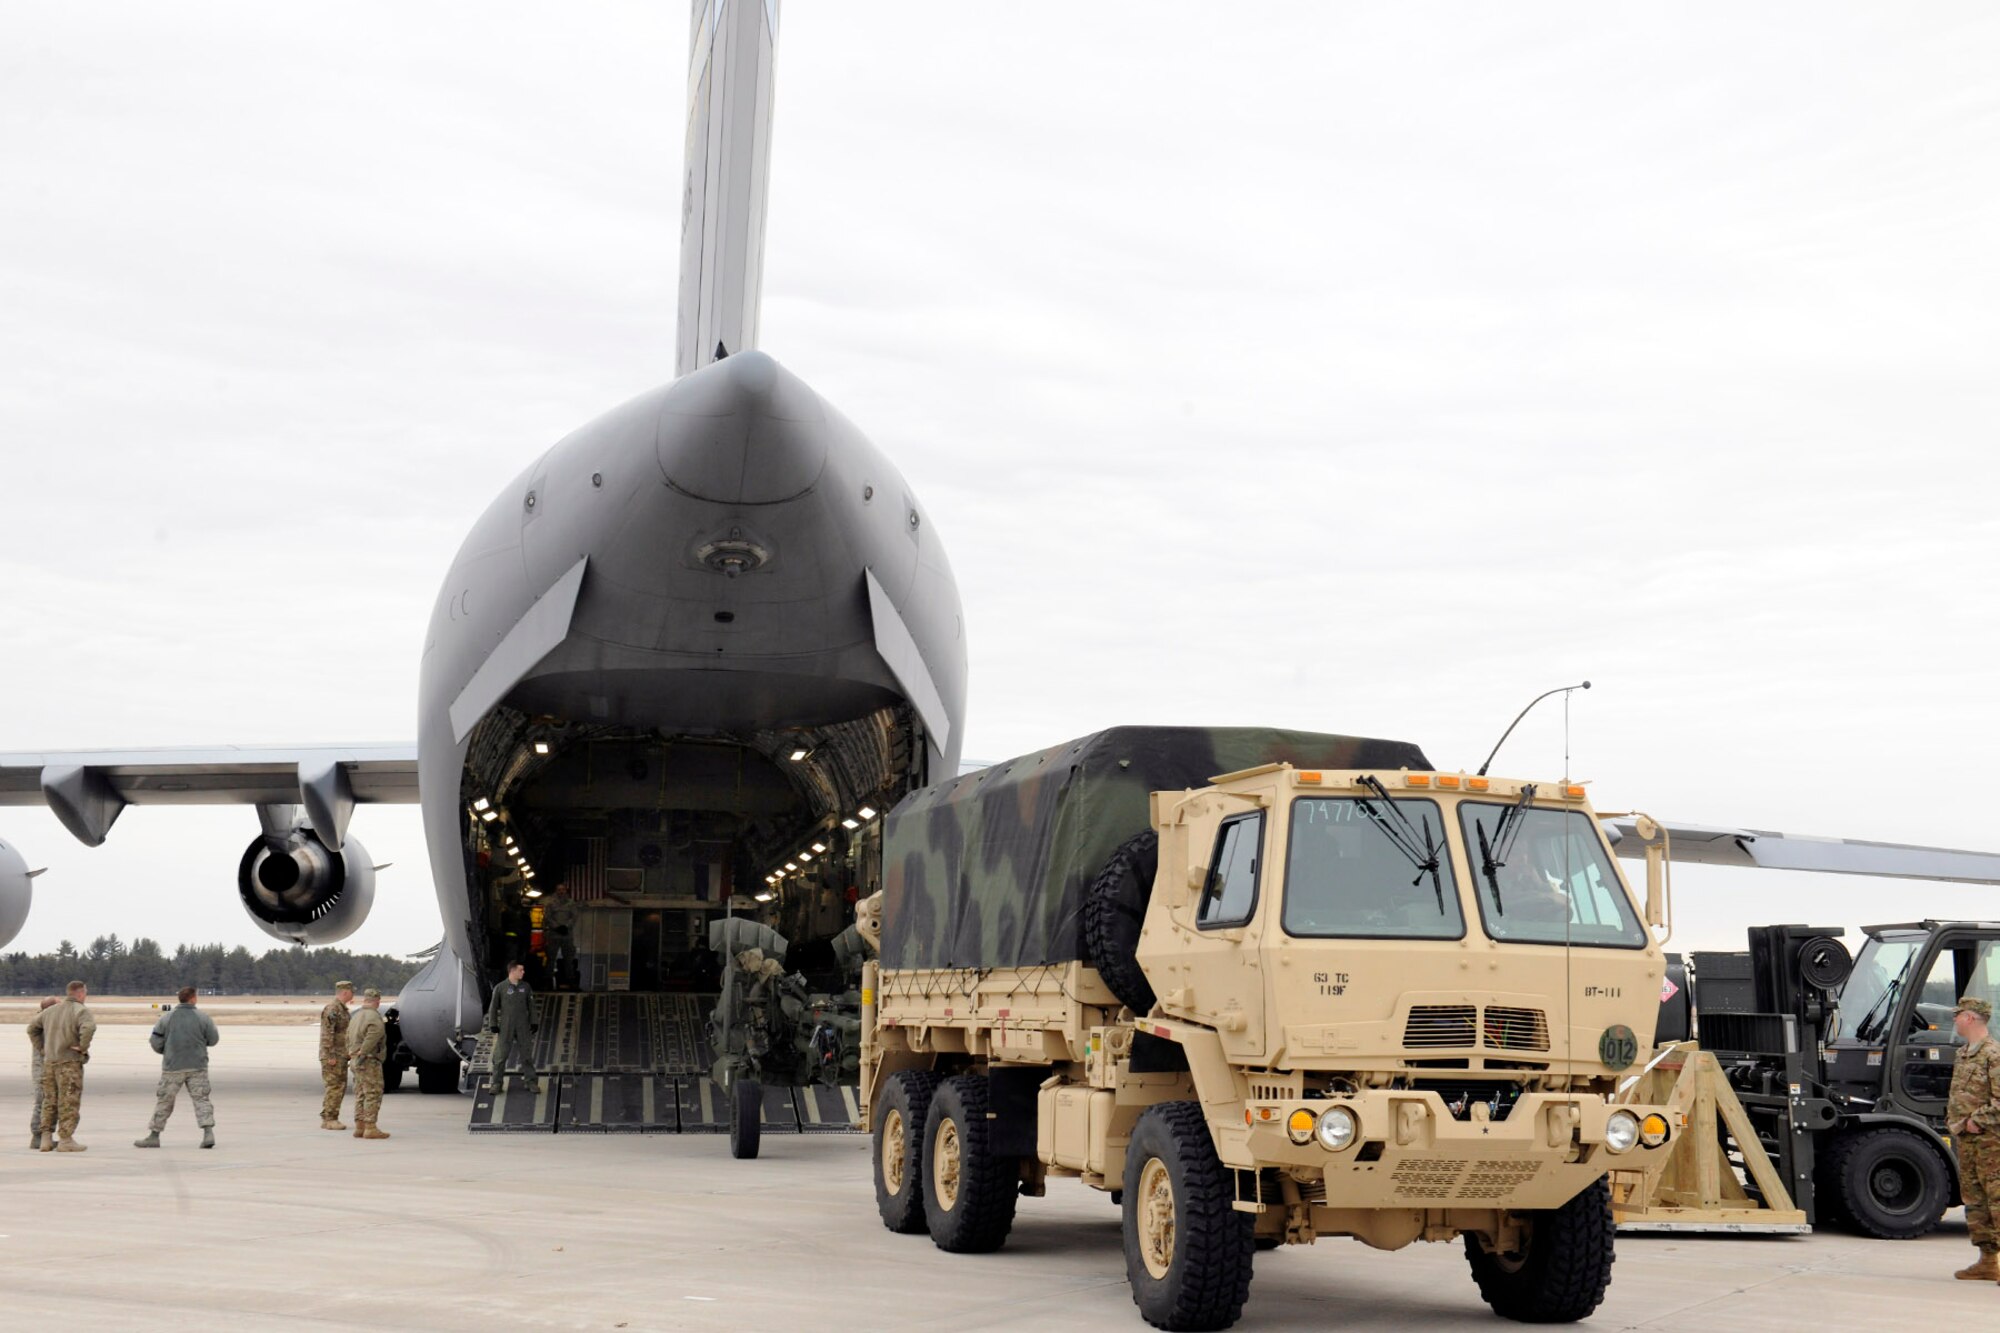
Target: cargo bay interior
647,836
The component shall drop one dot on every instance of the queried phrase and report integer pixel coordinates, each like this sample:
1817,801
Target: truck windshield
1880,974
1544,878
1351,875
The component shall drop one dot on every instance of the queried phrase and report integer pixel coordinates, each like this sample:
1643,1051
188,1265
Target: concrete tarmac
284,1225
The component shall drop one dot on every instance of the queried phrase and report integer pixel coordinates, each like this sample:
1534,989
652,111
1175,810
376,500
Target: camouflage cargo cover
989,870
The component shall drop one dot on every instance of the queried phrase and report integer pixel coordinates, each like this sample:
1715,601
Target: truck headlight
1653,1130
1337,1128
1299,1125
1621,1131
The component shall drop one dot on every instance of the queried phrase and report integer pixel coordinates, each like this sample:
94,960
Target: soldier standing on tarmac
511,1016
1973,1117
367,1043
66,1032
35,1071
182,1037
333,1054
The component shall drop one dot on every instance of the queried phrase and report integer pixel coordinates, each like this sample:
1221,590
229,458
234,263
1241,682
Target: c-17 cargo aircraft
678,666
709,634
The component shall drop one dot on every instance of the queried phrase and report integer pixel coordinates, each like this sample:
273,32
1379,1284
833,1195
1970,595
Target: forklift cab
1892,1041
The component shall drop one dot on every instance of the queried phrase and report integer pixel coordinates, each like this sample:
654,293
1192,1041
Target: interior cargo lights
490,815
766,897
1336,1128
541,747
850,824
820,848
482,805
800,755
866,812
791,865
805,856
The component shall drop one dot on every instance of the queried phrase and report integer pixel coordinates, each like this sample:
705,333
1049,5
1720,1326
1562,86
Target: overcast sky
1355,368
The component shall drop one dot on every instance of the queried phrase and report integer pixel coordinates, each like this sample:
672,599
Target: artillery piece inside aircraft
770,1027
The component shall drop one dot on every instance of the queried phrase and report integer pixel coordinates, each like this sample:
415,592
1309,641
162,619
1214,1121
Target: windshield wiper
1862,1030
1425,855
1493,855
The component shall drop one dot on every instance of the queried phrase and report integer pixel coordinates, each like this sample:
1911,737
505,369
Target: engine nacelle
16,894
299,890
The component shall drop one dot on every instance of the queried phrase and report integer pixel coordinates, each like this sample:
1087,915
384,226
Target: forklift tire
969,1193
1893,1185
437,1077
1114,910
746,1117
1562,1273
899,1149
1188,1253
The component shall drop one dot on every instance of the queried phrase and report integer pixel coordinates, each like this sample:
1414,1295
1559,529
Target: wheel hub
1155,1208
893,1153
945,1165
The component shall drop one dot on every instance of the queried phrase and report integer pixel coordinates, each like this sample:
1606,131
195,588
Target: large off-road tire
746,1117
969,1193
899,1149
437,1077
1564,1268
1114,910
1892,1184
1188,1252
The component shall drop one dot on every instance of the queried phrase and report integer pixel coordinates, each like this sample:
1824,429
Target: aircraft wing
1701,844
87,789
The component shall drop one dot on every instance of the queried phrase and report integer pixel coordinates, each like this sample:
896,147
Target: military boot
330,1122
68,1144
360,1128
35,1141
151,1140
48,1141
208,1137
1987,1269
373,1133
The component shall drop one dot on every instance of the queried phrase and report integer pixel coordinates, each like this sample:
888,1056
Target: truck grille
1516,1029
1435,1026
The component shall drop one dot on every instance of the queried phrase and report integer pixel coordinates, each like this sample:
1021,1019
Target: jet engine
301,891
15,893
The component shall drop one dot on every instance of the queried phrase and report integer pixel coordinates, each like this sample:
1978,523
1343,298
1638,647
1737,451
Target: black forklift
1843,1062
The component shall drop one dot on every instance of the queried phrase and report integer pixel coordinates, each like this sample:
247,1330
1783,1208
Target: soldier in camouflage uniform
333,1054
35,1071
67,1028
367,1043
1973,1117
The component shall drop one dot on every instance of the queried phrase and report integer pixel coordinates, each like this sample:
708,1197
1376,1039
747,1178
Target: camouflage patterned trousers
62,1096
171,1083
1979,1185
333,1073
367,1090
35,1077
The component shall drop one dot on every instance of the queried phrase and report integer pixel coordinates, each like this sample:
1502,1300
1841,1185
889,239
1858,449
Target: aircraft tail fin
731,68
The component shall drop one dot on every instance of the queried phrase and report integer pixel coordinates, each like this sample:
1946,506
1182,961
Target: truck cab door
1923,1044
1217,977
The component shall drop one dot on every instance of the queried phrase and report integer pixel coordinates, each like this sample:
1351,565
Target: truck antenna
1560,689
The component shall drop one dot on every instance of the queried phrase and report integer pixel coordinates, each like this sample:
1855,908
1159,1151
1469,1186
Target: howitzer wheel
1188,1252
1114,910
1562,1269
746,1117
899,1157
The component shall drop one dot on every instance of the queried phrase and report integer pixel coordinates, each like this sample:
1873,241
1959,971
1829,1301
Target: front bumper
1409,1151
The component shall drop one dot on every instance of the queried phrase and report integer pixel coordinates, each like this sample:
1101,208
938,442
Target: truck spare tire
1114,908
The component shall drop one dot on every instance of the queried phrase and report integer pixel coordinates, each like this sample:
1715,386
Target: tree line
110,966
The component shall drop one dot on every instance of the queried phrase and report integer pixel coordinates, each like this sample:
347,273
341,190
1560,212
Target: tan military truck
1329,993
